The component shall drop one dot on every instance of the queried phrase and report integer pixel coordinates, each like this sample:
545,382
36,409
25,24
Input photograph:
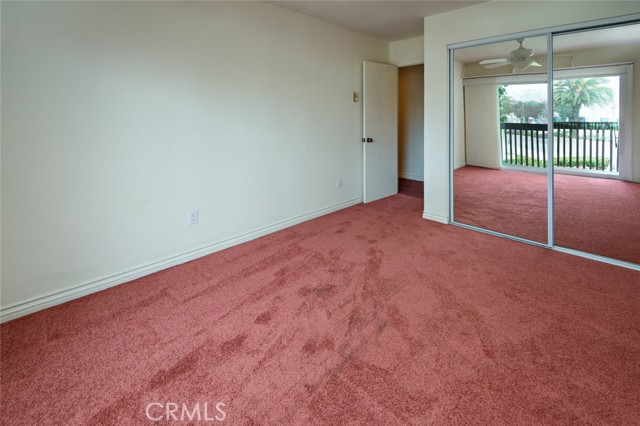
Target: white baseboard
457,165
412,177
435,218
48,300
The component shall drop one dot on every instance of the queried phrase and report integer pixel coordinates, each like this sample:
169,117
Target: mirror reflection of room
596,156
500,116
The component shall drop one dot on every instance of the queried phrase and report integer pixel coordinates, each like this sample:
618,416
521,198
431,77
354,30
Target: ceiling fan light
521,59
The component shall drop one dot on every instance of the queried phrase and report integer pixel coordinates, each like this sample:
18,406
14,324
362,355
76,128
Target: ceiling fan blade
496,65
534,64
494,61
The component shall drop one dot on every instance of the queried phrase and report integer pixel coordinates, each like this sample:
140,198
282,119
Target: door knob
367,140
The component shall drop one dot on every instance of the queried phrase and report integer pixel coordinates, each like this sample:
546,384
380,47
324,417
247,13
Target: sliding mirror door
596,144
499,131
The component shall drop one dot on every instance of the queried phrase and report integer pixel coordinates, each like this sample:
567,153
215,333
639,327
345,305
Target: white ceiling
389,20
393,20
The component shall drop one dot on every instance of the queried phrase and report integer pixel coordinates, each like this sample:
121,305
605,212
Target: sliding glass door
596,189
499,169
542,141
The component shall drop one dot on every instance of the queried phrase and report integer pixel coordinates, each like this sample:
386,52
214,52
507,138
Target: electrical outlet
339,183
193,217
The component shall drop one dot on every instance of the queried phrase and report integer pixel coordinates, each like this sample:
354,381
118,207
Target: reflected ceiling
617,36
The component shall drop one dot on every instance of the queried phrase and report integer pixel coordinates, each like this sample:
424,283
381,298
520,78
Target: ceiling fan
521,59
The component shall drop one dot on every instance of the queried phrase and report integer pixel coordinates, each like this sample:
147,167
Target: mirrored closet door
499,114
596,155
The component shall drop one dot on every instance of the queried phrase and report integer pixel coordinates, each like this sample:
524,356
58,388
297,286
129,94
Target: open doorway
411,130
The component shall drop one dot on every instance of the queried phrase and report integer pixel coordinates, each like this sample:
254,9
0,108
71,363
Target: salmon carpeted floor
595,215
368,316
411,187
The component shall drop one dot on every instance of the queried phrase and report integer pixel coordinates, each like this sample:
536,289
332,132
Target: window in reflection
596,194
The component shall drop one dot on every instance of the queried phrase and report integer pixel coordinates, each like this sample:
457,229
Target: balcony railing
576,145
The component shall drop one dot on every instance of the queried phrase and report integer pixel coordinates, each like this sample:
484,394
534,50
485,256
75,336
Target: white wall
120,117
483,20
407,52
411,122
481,126
459,133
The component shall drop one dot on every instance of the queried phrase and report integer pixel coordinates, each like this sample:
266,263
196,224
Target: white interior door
380,130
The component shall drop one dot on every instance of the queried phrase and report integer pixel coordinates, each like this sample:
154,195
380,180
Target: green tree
569,96
502,95
524,110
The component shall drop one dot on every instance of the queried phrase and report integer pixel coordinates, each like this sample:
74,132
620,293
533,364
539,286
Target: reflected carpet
595,215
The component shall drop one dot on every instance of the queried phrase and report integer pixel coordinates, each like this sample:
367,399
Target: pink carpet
413,188
368,316
594,215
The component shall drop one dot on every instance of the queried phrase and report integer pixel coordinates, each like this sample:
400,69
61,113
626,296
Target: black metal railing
578,145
